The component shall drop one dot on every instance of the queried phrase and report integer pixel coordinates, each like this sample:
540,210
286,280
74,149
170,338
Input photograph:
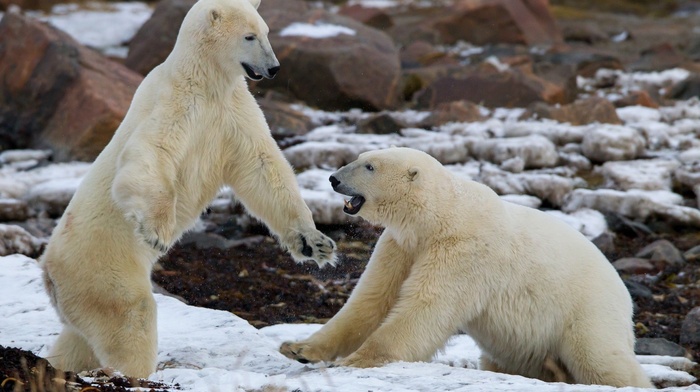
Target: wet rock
14,239
492,84
284,120
57,94
634,265
458,111
13,210
638,290
658,58
612,143
690,329
586,111
686,89
692,255
380,124
156,38
662,252
371,16
481,22
652,174
658,346
357,68
535,151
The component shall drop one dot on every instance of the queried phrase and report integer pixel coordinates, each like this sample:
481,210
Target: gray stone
634,265
690,329
658,346
638,290
662,251
692,254
380,124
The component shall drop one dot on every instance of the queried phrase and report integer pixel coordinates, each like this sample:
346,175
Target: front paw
313,245
157,236
303,352
359,360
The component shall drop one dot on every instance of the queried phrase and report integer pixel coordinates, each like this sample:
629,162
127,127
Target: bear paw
154,236
363,361
313,245
302,352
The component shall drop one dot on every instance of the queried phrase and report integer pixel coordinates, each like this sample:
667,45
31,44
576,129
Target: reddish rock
360,70
481,22
586,111
487,85
634,265
458,111
422,53
658,58
156,38
636,98
58,94
371,16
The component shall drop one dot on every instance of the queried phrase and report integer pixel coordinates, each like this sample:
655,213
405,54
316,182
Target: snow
211,350
317,30
104,26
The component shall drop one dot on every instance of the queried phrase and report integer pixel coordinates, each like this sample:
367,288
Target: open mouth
251,74
353,206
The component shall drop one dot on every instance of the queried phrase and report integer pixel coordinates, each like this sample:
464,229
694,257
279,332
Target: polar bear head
385,186
231,36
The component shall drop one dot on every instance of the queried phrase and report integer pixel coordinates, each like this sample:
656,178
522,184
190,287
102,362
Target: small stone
605,242
662,251
658,346
13,210
380,124
690,329
692,254
634,265
638,290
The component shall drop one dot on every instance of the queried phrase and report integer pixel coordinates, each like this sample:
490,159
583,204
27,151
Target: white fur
539,299
192,128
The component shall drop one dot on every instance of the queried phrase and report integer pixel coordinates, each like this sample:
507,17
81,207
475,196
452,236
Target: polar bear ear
255,3
214,16
413,173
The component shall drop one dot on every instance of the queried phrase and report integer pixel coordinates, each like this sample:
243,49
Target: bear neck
201,74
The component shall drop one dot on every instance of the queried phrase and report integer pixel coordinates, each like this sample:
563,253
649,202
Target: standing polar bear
538,298
192,128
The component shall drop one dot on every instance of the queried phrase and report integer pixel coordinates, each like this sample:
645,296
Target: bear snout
334,182
273,71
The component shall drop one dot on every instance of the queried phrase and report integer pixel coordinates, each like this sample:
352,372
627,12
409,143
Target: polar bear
192,128
539,299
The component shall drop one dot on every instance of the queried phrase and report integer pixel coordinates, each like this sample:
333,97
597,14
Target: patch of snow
325,204
607,142
590,223
14,239
317,30
13,156
652,174
523,200
536,151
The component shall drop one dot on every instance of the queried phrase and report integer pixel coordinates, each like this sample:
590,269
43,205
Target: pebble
634,265
690,329
658,346
662,252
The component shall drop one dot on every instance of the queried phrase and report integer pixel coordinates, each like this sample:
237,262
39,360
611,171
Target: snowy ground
210,350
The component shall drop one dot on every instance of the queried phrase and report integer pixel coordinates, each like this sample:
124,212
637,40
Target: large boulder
481,22
58,94
333,62
156,38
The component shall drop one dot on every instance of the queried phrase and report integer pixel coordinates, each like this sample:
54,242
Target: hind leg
127,340
71,352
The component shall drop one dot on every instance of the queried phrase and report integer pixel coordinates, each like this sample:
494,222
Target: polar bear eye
250,38
369,167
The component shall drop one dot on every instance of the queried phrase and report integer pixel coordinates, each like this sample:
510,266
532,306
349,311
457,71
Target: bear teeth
348,205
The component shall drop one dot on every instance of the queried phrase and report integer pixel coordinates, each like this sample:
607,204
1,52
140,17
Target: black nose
273,71
334,181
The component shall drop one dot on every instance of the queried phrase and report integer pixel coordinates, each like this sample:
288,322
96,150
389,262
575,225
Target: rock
638,290
635,204
652,174
421,54
688,175
371,16
583,32
357,68
58,94
690,329
662,252
492,84
457,111
612,143
156,38
14,156
13,210
549,187
536,151
634,265
482,22
692,255
636,98
658,58
685,89
14,239
379,124
6,5
284,120
52,196
605,242
583,112
658,346
586,63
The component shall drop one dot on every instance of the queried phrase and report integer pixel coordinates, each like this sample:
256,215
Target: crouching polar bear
192,128
538,298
